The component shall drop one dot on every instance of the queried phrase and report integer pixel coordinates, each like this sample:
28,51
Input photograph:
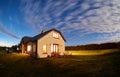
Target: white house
48,43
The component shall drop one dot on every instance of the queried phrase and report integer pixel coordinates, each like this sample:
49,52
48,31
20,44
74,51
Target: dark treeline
14,48
112,45
3,48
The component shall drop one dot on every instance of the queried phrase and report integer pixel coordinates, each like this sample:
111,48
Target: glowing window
55,35
28,48
54,47
44,49
51,47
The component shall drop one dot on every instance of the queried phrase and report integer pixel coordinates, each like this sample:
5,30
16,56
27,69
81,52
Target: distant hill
112,45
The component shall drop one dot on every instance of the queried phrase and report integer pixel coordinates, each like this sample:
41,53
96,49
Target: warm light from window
28,48
44,49
55,35
54,48
51,47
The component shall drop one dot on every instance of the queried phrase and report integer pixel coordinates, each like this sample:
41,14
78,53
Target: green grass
3,52
21,65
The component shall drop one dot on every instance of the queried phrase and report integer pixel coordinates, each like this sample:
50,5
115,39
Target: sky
80,21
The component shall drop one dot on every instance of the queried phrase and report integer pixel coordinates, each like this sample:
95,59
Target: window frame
55,35
44,49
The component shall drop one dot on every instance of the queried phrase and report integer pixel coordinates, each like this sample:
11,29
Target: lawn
22,65
92,52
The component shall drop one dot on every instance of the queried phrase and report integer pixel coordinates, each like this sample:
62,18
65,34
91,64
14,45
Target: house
48,43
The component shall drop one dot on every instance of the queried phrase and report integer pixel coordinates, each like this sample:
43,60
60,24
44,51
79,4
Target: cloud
5,30
114,37
81,16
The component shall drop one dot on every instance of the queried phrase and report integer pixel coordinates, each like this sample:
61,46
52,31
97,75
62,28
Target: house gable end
45,33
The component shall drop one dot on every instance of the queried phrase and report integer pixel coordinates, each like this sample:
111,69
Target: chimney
43,31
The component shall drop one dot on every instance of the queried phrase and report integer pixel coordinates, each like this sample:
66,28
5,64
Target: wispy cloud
6,31
83,16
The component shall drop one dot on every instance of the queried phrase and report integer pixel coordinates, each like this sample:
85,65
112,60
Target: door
54,47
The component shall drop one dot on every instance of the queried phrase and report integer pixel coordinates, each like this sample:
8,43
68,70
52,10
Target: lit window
44,49
28,48
55,35
54,47
51,47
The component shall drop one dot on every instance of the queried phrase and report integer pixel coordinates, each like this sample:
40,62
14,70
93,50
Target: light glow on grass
21,65
92,52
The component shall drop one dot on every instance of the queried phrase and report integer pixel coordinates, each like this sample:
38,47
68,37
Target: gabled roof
45,33
27,39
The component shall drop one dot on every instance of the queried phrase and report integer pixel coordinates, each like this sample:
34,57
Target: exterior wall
23,47
34,47
48,40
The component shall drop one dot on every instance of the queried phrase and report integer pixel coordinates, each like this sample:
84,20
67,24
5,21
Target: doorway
54,47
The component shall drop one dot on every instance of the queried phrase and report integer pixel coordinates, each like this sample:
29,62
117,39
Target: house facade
48,43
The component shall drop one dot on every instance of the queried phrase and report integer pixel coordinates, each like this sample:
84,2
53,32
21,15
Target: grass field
22,65
93,52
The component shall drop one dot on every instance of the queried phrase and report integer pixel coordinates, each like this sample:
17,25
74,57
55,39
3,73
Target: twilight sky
80,21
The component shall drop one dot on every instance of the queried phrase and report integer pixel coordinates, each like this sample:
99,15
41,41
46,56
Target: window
29,48
55,35
44,49
54,47
51,47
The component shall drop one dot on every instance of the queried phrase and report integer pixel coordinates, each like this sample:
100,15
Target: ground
22,65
